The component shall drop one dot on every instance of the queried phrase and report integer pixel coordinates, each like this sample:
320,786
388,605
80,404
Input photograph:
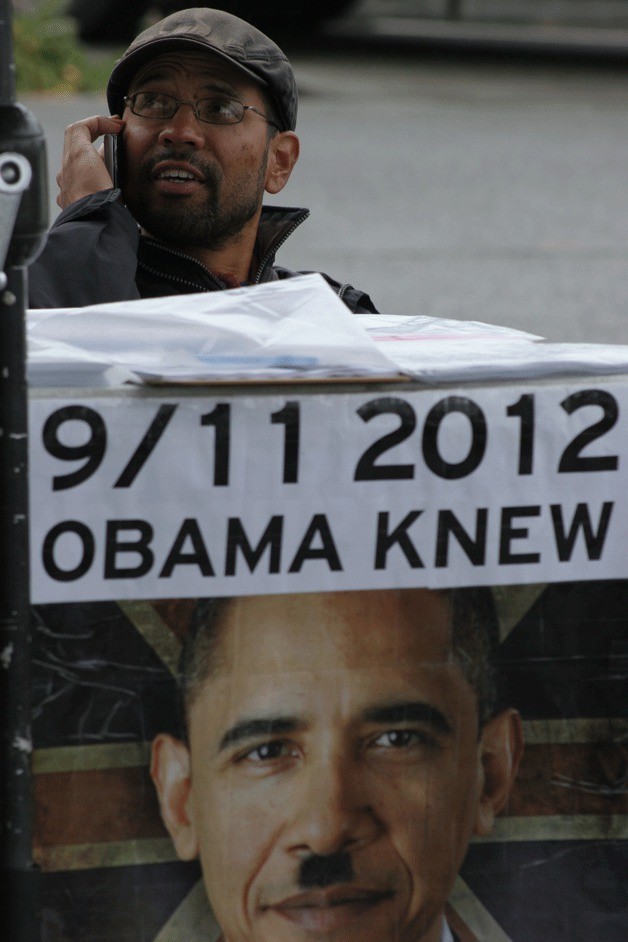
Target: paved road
490,189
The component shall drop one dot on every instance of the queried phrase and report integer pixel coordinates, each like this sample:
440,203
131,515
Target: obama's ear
501,748
283,153
170,772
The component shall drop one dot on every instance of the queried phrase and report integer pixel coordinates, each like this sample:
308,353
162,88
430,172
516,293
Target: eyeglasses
211,110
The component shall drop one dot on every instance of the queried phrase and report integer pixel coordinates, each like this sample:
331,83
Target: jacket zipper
276,246
176,278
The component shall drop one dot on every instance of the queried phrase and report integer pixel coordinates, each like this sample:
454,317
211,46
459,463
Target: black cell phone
111,156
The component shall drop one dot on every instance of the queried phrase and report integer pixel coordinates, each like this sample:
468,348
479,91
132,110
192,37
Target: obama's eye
270,751
402,739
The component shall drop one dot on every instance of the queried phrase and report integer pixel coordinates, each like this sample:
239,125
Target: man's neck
233,261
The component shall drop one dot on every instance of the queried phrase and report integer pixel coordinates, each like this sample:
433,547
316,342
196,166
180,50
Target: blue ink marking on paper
283,362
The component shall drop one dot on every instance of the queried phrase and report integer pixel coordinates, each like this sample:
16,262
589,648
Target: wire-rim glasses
215,110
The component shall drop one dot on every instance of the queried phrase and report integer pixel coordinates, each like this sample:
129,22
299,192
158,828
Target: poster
357,773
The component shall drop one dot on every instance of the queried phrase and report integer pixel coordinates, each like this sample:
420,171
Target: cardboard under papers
326,516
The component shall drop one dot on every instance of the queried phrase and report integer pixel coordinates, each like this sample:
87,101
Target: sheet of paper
435,350
277,330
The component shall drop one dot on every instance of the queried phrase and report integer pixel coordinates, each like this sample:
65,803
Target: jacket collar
276,224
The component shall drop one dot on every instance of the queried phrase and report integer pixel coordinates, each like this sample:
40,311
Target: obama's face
336,770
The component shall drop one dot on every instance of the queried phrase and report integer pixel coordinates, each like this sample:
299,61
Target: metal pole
23,221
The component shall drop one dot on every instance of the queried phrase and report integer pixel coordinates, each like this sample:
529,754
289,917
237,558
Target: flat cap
218,33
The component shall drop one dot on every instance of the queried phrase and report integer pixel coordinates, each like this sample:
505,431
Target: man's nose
183,128
331,810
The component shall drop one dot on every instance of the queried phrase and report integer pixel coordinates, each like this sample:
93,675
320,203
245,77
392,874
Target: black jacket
94,254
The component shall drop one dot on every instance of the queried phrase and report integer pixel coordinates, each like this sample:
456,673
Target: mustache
324,881
319,871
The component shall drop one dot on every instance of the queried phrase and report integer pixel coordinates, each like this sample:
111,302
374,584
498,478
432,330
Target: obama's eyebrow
249,729
413,711
384,714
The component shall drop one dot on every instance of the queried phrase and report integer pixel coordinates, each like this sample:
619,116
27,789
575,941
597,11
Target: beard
210,220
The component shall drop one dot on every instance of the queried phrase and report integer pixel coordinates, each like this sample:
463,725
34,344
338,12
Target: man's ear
283,153
501,748
170,772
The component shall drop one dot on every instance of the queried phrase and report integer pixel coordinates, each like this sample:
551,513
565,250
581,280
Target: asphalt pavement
488,188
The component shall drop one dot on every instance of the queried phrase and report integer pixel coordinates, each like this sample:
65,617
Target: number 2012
369,466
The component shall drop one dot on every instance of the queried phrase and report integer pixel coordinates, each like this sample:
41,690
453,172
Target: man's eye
225,108
155,102
401,738
269,751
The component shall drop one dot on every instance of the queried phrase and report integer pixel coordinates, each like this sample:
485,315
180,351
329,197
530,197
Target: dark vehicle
119,21
591,25
552,23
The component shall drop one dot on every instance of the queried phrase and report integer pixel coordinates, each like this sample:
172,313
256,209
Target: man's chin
179,231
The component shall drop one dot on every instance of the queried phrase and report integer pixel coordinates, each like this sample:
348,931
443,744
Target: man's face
337,773
187,182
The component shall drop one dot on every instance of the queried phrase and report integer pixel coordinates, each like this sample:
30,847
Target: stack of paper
296,328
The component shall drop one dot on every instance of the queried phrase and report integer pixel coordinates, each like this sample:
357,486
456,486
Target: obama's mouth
328,909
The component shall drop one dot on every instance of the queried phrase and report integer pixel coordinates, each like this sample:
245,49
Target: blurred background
461,158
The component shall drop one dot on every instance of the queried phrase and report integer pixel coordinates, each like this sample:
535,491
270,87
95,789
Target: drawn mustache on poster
328,883
320,871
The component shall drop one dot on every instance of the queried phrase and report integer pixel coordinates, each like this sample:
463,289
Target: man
341,751
204,108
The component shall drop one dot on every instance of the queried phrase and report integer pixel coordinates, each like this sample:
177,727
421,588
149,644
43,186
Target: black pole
23,222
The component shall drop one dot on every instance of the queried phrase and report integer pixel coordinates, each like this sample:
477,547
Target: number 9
93,449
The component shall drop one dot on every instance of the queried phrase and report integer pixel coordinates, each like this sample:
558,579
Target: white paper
439,350
277,330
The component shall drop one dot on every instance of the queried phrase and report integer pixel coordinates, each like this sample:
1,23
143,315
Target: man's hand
83,169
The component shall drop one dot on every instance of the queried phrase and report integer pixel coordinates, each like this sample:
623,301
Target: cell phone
111,156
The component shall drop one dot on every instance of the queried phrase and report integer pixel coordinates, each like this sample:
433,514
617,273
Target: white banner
186,494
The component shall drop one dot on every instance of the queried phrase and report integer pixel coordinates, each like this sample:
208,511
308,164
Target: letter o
86,537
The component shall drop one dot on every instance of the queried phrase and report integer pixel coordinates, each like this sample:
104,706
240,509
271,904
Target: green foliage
48,56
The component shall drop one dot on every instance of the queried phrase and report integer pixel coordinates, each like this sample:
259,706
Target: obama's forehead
305,631
339,660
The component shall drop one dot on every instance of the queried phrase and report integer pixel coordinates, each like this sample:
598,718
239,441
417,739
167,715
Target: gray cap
221,34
